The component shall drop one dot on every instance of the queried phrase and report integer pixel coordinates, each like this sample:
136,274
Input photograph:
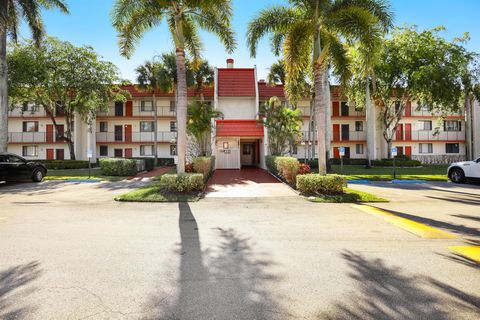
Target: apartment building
239,139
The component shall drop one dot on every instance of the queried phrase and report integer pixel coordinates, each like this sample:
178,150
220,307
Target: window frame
103,147
143,106
25,154
429,148
173,150
361,146
452,144
173,126
25,123
142,150
361,126
152,123
105,124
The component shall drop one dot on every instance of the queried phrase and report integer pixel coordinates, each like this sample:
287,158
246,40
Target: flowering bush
304,169
189,168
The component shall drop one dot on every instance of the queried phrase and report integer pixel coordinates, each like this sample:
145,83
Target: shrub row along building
128,129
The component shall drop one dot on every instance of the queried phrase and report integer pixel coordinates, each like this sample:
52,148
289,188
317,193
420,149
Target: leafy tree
199,125
59,75
132,18
283,125
203,75
276,73
12,12
310,34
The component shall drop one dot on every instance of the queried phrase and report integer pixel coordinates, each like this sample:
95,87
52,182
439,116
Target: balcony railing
33,137
426,135
350,136
162,136
18,112
351,112
138,112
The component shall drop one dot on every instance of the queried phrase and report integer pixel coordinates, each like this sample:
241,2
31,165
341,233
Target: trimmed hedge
398,163
271,166
286,168
349,161
118,166
149,162
204,165
317,184
182,183
165,162
65,164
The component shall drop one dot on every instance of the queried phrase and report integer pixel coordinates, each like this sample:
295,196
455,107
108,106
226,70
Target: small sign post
341,151
394,154
89,156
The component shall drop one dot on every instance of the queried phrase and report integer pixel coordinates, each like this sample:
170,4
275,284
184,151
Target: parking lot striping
470,252
414,227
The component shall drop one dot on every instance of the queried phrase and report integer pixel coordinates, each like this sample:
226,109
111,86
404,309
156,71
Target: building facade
133,129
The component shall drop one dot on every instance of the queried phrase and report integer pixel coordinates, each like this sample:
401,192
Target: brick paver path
150,174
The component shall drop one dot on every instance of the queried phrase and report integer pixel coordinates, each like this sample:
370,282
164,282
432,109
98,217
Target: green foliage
65,164
398,163
165,162
271,166
317,184
183,182
149,162
287,168
349,196
283,125
118,167
204,165
276,73
199,124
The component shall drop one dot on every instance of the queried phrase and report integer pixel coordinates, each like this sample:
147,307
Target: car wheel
37,176
457,175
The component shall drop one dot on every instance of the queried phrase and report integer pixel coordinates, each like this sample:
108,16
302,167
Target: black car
15,168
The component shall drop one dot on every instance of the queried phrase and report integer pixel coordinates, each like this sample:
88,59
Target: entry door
408,151
128,152
399,132
60,132
50,154
345,132
247,154
118,133
49,137
129,109
128,133
336,132
408,131
60,153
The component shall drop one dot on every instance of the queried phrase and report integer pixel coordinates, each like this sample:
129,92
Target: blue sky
89,24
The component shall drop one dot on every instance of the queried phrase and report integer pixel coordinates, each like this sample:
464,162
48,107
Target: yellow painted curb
470,252
414,227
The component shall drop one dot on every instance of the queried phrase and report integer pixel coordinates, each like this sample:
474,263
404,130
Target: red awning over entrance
239,128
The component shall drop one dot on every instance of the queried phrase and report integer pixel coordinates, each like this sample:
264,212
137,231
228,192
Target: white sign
89,154
394,151
175,159
341,150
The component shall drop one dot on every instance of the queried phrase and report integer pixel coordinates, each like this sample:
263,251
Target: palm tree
200,115
203,75
149,79
276,73
310,33
11,14
132,18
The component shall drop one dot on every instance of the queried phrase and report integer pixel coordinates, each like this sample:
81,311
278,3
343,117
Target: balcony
137,112
352,113
135,137
33,137
426,135
18,112
352,136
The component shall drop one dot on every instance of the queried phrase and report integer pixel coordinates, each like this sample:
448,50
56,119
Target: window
103,151
118,153
424,107
172,106
344,110
103,126
146,106
294,149
173,149
425,125
146,150
425,148
119,109
29,108
30,126
173,126
247,149
359,148
30,151
358,125
398,106
146,126
452,125
452,148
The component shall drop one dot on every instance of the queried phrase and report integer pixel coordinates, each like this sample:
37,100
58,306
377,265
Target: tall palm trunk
328,123
370,117
3,78
181,110
319,88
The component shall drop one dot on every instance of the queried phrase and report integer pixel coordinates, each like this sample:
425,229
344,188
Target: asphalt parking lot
68,251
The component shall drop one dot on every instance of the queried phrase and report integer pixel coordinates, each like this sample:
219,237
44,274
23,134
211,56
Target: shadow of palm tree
383,292
228,281
13,282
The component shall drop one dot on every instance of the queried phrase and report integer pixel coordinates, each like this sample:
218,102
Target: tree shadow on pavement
384,292
223,282
14,286
30,188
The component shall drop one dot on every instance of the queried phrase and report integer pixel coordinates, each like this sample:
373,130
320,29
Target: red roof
267,91
236,82
239,128
137,92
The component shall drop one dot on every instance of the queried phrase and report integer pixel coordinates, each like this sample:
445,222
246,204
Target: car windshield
13,159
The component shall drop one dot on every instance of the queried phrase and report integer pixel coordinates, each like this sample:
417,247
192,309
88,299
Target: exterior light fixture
225,145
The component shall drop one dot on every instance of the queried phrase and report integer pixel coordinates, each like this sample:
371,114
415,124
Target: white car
459,172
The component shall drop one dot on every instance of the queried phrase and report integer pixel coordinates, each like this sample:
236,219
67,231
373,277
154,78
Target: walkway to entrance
247,182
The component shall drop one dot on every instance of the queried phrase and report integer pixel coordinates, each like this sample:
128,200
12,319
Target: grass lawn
69,174
154,193
426,172
350,196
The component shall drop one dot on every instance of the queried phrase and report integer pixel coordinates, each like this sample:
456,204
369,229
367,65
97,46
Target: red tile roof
239,128
138,93
267,91
236,82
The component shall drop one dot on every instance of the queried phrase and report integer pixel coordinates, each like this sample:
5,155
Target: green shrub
398,163
65,164
183,183
349,161
204,165
118,166
149,162
287,168
271,166
317,184
165,161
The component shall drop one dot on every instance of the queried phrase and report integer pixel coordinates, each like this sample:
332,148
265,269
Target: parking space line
419,229
470,252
